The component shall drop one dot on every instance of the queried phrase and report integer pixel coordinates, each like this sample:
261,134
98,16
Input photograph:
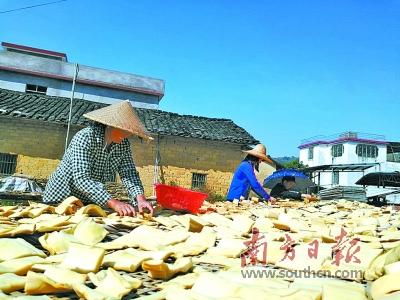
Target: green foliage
285,159
294,164
213,197
172,183
9,202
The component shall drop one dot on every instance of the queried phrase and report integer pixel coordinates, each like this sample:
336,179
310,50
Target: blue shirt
244,179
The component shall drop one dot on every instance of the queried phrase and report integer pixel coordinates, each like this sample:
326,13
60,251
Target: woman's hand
272,200
143,203
122,208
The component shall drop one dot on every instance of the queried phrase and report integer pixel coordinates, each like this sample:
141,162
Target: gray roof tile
56,109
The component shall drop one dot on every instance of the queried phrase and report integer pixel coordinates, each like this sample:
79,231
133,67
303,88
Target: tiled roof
56,109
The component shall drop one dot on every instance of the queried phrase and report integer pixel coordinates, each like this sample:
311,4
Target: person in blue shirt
245,178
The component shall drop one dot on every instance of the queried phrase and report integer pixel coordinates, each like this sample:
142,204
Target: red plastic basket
178,198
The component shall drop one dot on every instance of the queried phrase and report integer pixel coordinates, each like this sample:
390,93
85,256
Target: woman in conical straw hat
245,179
95,155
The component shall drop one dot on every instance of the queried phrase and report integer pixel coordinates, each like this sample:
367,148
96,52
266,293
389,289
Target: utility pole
70,105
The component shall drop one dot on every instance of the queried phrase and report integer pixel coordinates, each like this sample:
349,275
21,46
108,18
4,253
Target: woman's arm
255,185
131,180
129,175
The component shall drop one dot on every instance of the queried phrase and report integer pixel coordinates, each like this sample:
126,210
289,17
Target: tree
294,164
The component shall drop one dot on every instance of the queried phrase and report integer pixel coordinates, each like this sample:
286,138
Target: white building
343,159
39,71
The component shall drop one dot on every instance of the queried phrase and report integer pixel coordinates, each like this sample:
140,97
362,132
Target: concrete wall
40,146
44,65
17,82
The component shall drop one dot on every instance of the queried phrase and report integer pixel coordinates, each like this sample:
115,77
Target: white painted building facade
346,149
33,70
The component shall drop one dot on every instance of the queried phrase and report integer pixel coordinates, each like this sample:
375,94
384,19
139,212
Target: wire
32,6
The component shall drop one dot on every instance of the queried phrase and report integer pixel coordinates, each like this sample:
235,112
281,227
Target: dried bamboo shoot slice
39,284
228,248
331,292
10,282
57,242
88,232
213,286
392,268
158,269
54,224
112,284
69,206
64,277
91,210
83,258
19,266
385,285
17,248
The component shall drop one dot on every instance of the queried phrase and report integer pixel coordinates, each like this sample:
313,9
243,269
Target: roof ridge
55,109
189,115
101,103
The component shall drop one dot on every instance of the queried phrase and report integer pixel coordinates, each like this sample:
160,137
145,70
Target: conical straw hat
261,152
122,116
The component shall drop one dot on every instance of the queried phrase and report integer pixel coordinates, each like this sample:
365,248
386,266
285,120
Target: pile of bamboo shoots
339,237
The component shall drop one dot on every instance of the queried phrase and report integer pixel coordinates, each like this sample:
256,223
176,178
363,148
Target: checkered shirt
88,164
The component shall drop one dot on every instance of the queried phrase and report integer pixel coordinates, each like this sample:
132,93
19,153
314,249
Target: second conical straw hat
120,115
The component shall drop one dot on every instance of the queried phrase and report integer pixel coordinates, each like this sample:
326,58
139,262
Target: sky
284,70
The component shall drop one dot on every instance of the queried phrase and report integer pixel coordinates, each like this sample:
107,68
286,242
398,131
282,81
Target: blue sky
283,70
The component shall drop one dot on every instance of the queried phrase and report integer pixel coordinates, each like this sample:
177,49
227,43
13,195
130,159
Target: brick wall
181,157
33,138
36,166
40,146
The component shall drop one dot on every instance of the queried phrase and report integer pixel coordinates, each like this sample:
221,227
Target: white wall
14,86
353,158
59,88
320,156
56,87
303,157
323,156
60,68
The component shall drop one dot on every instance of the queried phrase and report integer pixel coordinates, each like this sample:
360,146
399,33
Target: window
335,178
393,157
199,181
367,151
393,152
37,89
311,153
337,150
8,163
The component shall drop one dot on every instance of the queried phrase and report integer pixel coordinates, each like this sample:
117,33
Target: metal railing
343,135
199,181
8,163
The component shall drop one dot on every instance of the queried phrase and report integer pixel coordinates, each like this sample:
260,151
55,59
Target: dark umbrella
302,181
383,179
